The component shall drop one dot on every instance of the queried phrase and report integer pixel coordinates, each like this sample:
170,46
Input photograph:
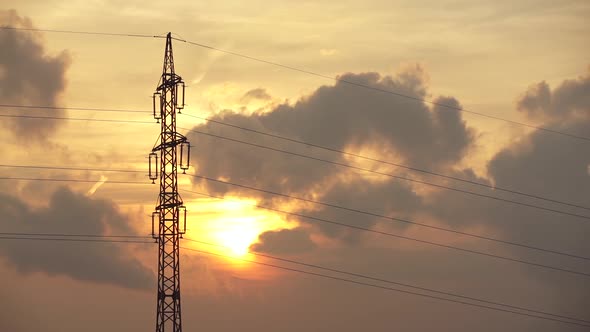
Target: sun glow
232,225
238,233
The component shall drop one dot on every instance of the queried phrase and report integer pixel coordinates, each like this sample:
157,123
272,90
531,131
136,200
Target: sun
238,233
231,225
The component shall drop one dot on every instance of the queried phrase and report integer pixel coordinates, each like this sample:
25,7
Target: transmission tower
169,209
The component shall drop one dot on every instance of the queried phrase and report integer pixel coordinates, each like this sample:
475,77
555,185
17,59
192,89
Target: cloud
569,99
350,118
541,164
342,117
339,116
72,213
258,93
430,137
388,198
284,241
29,76
553,166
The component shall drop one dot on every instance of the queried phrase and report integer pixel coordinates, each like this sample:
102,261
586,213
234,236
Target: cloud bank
72,213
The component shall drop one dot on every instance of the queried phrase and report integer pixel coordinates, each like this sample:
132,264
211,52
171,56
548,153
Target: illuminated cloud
256,94
284,241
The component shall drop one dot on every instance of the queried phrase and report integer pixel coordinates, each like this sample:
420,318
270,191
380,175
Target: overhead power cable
308,72
386,287
489,305
387,217
93,169
73,119
83,32
358,168
365,276
77,235
71,239
391,92
358,228
69,180
64,168
356,155
414,169
327,221
316,159
92,109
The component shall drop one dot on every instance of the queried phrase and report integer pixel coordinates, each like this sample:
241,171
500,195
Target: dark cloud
29,76
71,213
284,241
341,117
296,302
536,100
543,164
338,116
569,99
390,198
435,138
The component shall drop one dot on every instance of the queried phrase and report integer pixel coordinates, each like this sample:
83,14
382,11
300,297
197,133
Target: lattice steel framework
169,209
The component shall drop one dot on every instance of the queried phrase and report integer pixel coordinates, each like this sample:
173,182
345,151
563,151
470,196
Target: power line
334,78
387,217
71,240
88,169
316,159
74,108
327,221
398,94
390,281
73,119
388,174
66,237
76,235
564,319
83,32
69,180
450,177
424,171
312,201
385,287
358,228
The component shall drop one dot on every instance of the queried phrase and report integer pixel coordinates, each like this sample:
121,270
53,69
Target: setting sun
238,233
233,225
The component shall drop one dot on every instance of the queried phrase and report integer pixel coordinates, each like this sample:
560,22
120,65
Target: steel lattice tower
169,209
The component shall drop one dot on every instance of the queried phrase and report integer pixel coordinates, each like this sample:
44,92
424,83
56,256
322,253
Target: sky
526,62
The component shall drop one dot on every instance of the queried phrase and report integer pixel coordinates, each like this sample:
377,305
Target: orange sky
484,54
